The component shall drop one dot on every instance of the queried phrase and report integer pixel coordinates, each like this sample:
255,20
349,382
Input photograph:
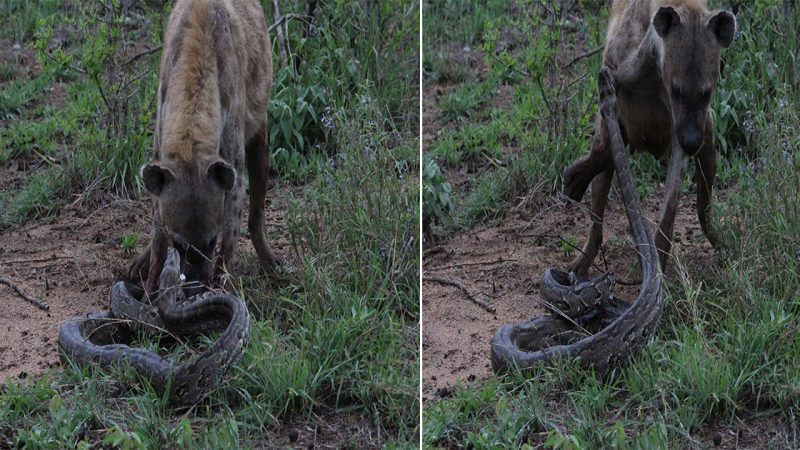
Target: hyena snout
691,138
196,264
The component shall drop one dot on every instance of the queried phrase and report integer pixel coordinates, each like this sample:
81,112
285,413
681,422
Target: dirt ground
502,262
70,264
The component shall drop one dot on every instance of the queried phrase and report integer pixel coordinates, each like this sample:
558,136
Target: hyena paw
580,265
575,181
137,272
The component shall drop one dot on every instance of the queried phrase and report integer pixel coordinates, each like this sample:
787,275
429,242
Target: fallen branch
34,260
470,295
588,54
35,302
477,263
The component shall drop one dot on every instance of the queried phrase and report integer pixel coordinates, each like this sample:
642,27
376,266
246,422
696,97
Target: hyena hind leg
257,154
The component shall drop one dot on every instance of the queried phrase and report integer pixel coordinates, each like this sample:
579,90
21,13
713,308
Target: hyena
214,85
665,58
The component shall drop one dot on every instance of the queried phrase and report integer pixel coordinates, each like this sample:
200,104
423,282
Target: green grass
17,94
24,17
336,338
450,28
727,351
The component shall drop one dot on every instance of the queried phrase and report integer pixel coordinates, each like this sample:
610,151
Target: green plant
437,199
129,242
462,103
118,112
569,244
300,120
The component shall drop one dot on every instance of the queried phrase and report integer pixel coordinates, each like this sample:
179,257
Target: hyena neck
191,111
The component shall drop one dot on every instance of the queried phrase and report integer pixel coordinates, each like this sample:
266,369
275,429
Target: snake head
171,273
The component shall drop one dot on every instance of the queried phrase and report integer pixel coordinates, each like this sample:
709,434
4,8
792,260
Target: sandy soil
71,264
502,263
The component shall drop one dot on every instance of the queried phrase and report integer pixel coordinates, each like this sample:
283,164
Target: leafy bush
437,199
346,45
300,119
114,110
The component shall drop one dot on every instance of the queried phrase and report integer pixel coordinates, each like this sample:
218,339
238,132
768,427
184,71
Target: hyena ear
155,177
222,173
723,25
665,20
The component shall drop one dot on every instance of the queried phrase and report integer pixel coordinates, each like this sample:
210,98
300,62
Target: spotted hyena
214,84
665,58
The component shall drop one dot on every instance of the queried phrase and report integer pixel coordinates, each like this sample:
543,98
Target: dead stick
454,283
149,51
288,17
592,52
35,260
281,39
37,303
432,250
478,263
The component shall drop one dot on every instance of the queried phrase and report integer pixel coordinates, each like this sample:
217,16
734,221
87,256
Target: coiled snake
591,325
103,337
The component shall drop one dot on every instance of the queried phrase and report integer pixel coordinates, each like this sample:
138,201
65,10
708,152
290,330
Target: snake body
102,338
591,325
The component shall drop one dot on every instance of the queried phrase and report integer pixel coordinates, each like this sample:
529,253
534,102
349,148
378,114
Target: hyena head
690,65
191,204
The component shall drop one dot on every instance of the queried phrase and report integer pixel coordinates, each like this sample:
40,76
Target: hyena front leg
151,260
257,152
159,243
706,171
137,272
669,208
229,231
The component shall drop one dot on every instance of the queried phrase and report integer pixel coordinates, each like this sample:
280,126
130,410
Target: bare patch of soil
502,262
327,430
749,432
71,264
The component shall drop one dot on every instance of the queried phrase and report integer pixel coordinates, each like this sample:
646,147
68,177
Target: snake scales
590,324
102,337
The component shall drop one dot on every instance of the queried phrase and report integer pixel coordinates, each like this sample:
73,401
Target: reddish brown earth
71,264
502,262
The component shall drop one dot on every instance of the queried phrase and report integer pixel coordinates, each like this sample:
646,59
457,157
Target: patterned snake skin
590,324
102,337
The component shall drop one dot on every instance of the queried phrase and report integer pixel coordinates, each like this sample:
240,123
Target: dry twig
35,302
470,295
588,54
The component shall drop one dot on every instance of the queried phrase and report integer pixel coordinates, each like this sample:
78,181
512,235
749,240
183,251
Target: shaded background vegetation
340,336
728,350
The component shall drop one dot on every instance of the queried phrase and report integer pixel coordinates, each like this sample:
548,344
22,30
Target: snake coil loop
103,338
591,325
